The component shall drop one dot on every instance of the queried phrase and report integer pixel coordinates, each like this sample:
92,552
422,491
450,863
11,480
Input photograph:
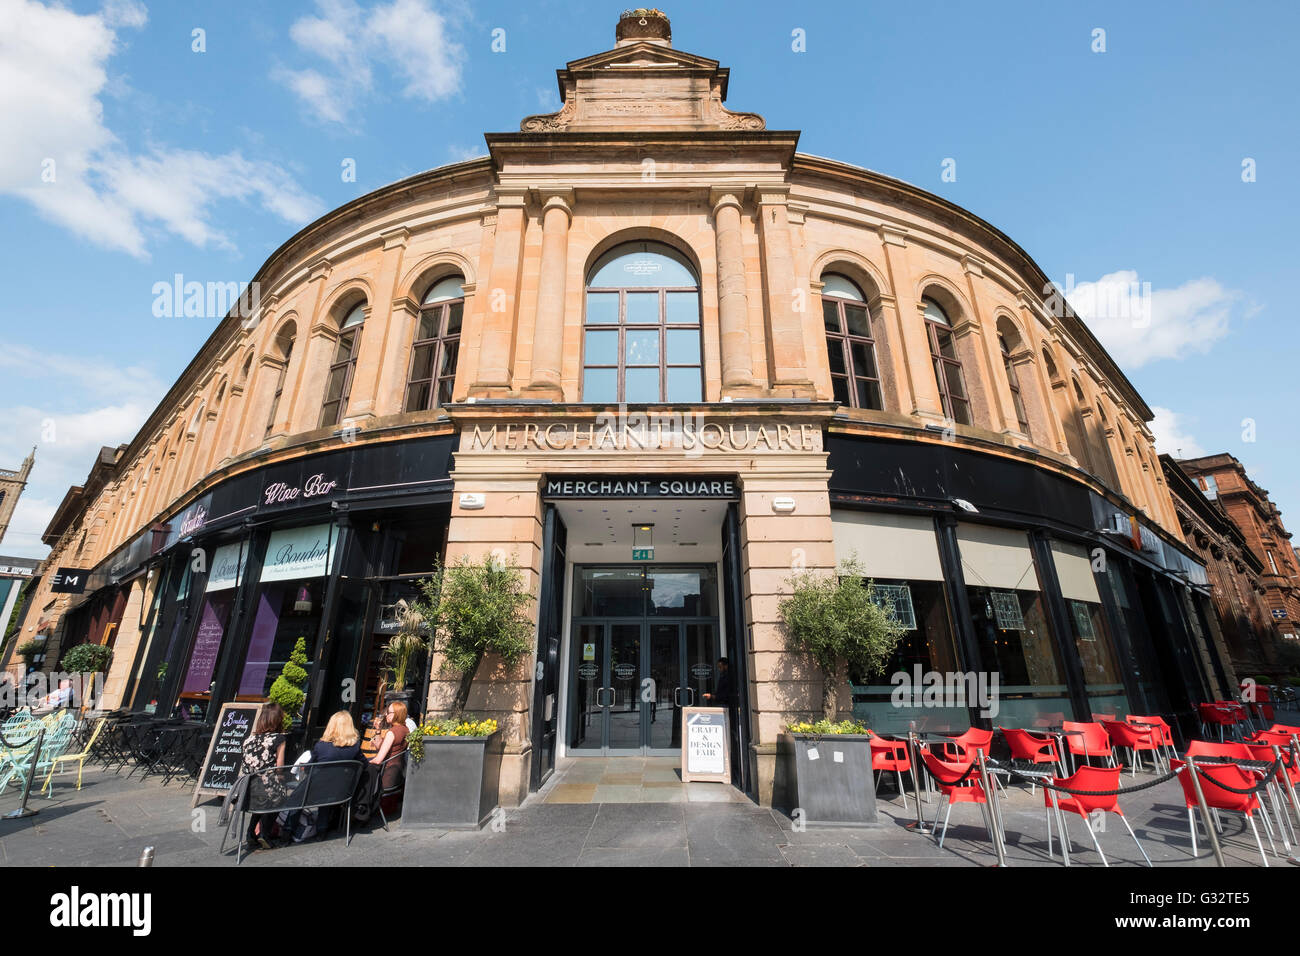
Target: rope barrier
13,746
1042,782
1258,788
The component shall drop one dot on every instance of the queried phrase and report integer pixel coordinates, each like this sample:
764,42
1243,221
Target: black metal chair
278,790
390,780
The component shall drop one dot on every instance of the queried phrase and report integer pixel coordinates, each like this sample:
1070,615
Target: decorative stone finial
643,24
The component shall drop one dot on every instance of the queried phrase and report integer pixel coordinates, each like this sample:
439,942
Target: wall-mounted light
783,505
472,501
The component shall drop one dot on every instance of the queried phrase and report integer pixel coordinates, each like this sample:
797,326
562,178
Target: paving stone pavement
112,819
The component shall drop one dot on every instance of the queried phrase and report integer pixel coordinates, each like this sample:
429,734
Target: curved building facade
658,359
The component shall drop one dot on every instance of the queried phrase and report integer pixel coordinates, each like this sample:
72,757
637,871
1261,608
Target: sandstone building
657,358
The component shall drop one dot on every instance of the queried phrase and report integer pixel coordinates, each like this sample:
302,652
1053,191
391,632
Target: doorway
631,675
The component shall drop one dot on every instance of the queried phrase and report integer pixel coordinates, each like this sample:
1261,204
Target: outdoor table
1060,733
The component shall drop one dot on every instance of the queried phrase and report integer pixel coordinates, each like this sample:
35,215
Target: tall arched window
1013,381
283,349
641,341
947,367
855,379
437,346
338,387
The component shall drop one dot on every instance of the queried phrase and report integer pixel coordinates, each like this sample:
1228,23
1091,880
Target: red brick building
1246,639
1248,505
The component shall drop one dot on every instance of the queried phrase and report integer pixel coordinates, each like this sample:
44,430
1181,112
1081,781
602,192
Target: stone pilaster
500,306
785,331
548,331
733,304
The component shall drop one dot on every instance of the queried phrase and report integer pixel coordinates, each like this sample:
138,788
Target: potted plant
404,649
461,792
824,767
287,691
473,609
28,650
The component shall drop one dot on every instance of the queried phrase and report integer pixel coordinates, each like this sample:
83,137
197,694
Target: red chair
1165,736
969,790
963,746
1099,718
1083,739
1219,798
890,755
1089,778
1036,750
1261,706
1136,740
1215,717
1284,729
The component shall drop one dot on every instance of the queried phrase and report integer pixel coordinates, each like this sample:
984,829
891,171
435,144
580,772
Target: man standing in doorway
722,695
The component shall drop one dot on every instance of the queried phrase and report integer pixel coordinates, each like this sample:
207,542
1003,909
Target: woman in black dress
264,749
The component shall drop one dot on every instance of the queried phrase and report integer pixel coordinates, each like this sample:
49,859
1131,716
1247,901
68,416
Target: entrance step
629,780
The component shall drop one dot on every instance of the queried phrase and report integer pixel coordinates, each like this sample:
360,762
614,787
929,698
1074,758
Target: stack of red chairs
1223,715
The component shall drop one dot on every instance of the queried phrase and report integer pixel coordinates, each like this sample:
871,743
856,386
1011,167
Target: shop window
899,557
1098,657
850,345
641,335
947,367
437,346
1010,621
338,386
224,575
287,605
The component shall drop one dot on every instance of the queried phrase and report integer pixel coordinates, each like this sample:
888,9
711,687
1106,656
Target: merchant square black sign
641,486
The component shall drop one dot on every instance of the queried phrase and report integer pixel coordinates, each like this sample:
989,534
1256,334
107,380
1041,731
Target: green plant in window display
287,691
405,647
840,622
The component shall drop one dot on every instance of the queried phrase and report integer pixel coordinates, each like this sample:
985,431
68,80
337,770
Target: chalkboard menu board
226,751
706,745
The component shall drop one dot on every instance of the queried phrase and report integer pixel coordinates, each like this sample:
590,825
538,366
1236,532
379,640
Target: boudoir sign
297,553
227,563
645,432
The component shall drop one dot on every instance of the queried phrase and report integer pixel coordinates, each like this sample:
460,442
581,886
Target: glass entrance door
630,680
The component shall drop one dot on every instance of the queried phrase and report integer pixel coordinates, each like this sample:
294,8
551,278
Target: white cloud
61,157
459,154
408,37
1138,325
1172,435
111,406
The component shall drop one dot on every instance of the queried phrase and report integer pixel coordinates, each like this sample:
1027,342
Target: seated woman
391,744
264,749
341,741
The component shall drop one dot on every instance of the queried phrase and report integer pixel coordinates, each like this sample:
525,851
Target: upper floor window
855,380
641,341
437,346
1209,487
283,348
338,387
1013,380
947,367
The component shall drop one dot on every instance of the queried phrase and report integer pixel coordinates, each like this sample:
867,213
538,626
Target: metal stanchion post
1060,825
1281,808
1205,811
995,824
146,857
916,758
23,810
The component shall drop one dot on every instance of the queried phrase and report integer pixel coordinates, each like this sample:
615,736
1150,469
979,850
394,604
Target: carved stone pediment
642,85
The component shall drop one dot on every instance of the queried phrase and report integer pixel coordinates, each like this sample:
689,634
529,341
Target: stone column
913,343
548,328
733,305
376,379
501,304
785,326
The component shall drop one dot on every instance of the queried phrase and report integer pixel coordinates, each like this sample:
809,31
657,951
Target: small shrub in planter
287,690
824,767
87,659
453,773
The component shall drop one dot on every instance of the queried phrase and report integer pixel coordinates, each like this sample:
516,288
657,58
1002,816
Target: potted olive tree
473,609
824,767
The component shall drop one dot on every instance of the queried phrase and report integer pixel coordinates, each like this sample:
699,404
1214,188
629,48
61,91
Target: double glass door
630,680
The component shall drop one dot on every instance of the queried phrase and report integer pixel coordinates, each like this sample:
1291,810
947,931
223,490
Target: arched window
338,387
947,367
641,340
283,348
1013,380
437,345
855,380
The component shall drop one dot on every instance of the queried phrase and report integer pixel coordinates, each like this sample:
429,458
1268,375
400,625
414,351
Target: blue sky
1118,167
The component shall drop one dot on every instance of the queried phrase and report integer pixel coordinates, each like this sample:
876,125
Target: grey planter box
829,790
455,785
